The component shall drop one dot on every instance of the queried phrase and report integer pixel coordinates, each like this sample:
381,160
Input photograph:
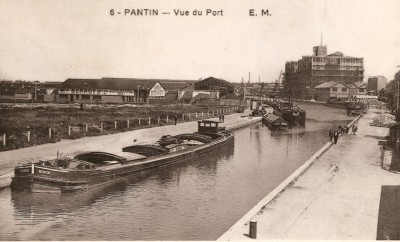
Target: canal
197,200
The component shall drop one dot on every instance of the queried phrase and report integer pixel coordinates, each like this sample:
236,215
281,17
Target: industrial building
302,76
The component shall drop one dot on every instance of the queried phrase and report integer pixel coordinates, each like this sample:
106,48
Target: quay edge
279,189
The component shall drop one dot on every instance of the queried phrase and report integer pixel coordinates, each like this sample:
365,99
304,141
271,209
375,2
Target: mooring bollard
69,131
29,136
149,122
253,230
115,125
4,140
87,127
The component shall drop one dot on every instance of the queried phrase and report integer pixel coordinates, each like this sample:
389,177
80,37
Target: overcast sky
52,40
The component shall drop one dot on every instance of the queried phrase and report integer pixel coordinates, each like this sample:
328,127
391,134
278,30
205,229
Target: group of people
221,118
334,134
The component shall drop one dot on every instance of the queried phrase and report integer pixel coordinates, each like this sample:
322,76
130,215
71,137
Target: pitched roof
119,83
174,86
330,84
327,84
359,84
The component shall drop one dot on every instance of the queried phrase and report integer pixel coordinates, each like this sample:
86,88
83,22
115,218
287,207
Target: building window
129,99
96,97
334,89
361,89
76,96
344,89
85,97
63,96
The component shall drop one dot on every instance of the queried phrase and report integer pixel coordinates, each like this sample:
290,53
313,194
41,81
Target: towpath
109,143
337,198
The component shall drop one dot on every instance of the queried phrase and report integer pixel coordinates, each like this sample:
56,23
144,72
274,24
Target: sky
52,40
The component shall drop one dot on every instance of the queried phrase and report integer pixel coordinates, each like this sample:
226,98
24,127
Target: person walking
176,118
354,129
335,136
330,135
347,129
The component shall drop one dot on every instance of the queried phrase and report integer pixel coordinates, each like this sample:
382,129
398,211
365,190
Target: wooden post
29,136
50,133
183,116
167,118
201,113
87,127
101,126
139,121
196,115
69,131
149,122
127,123
158,120
115,125
4,140
253,229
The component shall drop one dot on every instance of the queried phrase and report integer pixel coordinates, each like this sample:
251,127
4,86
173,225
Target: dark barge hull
44,179
292,119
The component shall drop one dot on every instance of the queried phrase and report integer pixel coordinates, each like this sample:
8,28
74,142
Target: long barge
92,169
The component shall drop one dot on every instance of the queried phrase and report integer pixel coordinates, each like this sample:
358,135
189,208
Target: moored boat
292,114
274,122
91,169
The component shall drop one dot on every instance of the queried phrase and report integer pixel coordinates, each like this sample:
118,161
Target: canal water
197,200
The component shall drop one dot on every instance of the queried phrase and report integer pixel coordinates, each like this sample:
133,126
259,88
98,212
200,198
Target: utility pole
137,98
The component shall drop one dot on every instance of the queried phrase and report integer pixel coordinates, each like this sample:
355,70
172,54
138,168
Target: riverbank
338,197
25,125
110,143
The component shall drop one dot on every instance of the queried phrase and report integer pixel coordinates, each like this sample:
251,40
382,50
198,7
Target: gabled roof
119,83
328,84
174,86
359,84
80,83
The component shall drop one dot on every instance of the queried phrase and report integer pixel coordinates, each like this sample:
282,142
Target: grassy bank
18,122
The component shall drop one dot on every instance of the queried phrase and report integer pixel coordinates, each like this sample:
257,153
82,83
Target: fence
52,134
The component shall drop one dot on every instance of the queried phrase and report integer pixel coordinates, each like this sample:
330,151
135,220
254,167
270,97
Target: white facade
157,92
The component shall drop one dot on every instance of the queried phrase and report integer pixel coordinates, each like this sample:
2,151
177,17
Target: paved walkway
110,143
336,198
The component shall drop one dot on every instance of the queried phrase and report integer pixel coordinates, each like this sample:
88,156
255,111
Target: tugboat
292,114
92,169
